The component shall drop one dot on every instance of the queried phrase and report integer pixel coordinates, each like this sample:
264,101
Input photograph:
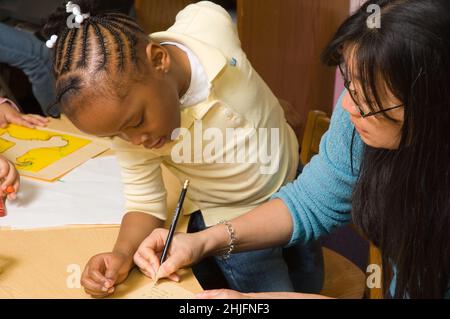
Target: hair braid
69,52
82,63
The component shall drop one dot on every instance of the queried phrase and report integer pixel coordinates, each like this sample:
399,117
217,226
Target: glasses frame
353,94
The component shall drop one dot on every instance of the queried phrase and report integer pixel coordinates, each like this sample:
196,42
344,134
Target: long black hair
402,198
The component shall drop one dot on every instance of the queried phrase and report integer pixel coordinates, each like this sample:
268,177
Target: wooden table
48,263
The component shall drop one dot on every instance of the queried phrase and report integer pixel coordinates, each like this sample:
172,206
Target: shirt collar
211,58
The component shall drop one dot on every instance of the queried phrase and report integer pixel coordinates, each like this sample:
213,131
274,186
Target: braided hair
104,46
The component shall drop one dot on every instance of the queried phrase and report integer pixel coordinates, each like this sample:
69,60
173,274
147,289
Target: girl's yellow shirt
224,182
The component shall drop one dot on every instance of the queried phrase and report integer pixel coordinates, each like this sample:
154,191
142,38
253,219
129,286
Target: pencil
173,226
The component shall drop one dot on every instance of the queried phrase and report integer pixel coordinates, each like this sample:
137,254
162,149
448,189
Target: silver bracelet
232,244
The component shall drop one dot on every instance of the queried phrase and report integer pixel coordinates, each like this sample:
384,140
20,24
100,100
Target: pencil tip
186,184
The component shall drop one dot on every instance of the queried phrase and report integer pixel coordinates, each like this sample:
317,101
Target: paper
92,194
44,154
164,290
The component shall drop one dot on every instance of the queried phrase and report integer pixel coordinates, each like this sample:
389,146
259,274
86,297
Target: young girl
386,158
187,98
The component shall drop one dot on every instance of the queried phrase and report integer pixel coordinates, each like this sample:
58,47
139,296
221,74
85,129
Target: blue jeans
295,269
24,51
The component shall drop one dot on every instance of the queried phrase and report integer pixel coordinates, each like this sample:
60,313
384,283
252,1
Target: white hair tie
75,11
51,43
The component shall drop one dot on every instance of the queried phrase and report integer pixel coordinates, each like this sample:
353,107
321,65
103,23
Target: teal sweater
320,199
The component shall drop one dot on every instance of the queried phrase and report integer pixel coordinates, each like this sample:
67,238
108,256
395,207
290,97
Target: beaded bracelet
232,244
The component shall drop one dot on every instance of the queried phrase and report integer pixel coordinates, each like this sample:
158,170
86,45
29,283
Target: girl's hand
185,250
105,271
10,179
9,115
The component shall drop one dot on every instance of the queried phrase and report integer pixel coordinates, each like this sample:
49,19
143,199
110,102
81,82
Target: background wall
356,4
159,15
284,41
339,88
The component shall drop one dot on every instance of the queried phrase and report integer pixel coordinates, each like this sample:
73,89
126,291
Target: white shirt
200,87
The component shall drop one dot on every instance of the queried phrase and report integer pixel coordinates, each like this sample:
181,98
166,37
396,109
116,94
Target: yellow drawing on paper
34,150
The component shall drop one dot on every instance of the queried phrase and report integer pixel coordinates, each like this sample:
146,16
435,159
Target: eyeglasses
354,96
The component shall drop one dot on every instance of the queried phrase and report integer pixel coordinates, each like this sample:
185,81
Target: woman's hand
9,115
223,294
185,250
231,294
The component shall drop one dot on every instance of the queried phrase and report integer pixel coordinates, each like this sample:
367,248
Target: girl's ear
158,58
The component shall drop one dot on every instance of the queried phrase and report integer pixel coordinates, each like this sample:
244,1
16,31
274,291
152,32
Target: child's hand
10,179
9,115
105,271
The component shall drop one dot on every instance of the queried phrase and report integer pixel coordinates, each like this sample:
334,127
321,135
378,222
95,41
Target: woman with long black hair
386,158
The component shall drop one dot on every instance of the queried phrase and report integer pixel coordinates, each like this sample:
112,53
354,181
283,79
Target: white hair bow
75,10
51,43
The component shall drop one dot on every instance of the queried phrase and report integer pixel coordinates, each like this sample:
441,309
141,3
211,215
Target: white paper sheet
92,194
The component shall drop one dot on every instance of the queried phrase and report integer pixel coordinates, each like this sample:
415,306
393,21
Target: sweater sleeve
142,179
320,199
4,100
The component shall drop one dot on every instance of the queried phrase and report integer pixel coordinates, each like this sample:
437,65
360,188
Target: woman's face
376,131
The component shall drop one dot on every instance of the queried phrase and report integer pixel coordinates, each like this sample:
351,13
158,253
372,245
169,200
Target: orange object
10,190
2,208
